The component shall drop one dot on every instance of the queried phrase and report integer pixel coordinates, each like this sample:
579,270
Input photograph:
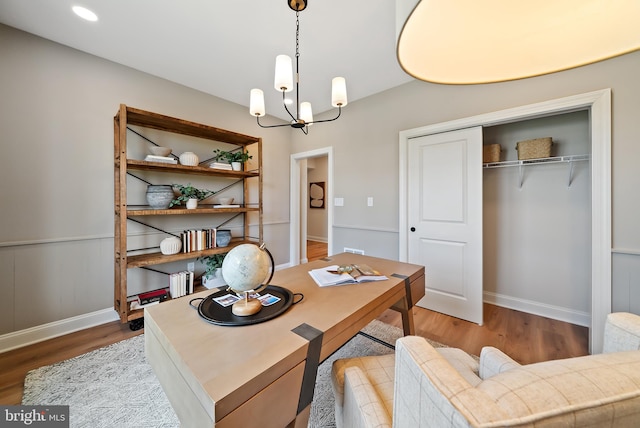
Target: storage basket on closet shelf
491,153
534,149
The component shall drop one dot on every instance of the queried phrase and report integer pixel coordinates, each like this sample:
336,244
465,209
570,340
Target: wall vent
353,250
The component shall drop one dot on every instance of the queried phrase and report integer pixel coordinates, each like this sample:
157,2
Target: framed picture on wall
316,194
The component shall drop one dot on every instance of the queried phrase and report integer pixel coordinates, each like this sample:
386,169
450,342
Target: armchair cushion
621,332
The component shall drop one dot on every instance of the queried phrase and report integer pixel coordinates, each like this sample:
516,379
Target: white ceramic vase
236,166
216,280
192,204
189,158
171,245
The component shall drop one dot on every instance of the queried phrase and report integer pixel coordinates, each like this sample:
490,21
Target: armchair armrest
494,361
430,392
621,332
363,407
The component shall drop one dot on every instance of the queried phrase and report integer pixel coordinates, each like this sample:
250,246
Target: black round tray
215,313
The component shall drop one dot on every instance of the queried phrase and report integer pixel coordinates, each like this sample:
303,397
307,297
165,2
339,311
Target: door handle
413,229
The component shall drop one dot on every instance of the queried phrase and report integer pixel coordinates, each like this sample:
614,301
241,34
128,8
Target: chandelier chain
297,34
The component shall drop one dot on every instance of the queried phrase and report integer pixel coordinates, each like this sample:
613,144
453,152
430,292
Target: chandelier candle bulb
338,92
284,74
305,113
256,103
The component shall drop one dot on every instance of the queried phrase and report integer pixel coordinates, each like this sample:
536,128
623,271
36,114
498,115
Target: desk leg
407,316
404,306
302,419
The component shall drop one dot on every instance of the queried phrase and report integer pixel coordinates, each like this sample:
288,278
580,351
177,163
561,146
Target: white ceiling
226,48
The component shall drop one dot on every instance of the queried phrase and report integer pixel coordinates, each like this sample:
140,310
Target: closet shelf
557,159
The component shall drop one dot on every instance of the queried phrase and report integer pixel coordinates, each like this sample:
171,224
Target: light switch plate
370,201
338,202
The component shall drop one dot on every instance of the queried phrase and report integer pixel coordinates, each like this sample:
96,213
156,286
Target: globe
244,269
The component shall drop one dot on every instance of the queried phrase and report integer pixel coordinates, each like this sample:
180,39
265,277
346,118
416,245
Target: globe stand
247,306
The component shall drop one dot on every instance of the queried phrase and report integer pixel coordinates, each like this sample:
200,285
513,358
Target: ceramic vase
189,158
236,166
159,196
223,237
171,245
215,280
192,204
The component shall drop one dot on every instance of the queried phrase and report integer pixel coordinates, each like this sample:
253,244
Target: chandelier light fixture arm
283,82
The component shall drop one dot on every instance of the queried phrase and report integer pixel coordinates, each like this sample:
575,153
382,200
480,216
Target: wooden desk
263,375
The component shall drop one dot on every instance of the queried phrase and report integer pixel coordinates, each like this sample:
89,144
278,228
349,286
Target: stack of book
198,240
161,159
149,298
220,165
181,283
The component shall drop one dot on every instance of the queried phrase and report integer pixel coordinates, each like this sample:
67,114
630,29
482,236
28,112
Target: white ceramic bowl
160,151
225,201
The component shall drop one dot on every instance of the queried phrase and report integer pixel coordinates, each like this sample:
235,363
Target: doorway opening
305,198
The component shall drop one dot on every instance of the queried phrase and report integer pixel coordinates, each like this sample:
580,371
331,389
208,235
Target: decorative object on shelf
192,203
212,276
189,159
244,268
225,201
303,117
189,192
159,196
236,157
491,153
432,48
170,245
160,151
223,237
536,148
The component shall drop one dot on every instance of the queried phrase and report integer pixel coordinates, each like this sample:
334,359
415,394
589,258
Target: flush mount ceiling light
470,41
303,117
84,13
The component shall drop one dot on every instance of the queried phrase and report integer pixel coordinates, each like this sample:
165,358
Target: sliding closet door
445,220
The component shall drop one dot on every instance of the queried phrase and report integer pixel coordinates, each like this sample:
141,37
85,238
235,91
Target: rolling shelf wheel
136,324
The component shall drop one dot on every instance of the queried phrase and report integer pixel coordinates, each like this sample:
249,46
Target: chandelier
283,82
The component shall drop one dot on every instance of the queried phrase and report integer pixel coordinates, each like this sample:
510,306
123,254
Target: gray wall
56,172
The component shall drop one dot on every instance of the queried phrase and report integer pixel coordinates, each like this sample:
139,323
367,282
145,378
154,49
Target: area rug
115,387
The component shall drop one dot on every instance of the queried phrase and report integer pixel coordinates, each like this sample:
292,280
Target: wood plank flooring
526,338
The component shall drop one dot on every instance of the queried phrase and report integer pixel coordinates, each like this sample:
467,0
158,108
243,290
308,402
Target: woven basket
491,153
534,149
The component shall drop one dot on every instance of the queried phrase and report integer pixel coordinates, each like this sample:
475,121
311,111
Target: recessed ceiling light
84,13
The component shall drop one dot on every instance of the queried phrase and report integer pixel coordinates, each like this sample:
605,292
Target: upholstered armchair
423,386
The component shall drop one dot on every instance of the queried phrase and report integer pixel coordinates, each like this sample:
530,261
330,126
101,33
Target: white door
445,220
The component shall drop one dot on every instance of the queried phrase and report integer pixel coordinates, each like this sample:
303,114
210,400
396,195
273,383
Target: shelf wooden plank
179,126
159,258
186,169
207,209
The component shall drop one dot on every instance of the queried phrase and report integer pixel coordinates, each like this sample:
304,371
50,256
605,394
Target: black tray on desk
217,314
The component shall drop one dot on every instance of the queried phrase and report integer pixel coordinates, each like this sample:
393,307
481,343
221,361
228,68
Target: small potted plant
190,195
212,276
236,158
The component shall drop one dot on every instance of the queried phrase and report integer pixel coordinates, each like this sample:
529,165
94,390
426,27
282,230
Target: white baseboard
540,309
317,239
18,339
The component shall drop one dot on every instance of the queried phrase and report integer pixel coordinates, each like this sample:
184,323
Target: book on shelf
198,239
153,296
161,159
181,283
345,274
227,206
220,165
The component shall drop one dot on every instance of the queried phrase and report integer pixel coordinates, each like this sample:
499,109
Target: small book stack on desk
345,274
